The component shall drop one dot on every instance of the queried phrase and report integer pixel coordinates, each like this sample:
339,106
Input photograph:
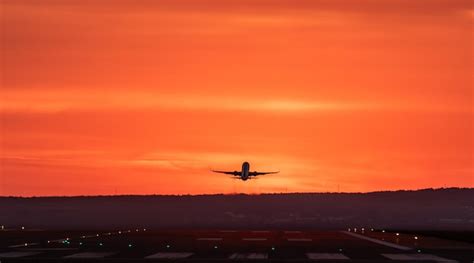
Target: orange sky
142,97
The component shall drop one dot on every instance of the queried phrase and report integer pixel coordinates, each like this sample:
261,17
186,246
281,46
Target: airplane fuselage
245,171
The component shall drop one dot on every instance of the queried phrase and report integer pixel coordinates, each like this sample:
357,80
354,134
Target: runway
144,245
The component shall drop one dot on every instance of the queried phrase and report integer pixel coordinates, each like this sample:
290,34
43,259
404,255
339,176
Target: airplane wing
234,173
255,173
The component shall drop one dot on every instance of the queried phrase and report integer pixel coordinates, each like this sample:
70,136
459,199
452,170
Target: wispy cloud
56,101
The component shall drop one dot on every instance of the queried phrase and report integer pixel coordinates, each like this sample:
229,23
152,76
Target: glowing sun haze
142,97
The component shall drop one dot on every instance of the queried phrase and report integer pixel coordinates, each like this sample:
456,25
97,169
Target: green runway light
100,244
168,246
273,248
129,245
215,247
80,243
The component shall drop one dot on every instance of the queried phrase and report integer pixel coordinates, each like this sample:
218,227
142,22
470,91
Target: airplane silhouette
245,174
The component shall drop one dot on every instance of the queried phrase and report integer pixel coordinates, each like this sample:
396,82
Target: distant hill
429,209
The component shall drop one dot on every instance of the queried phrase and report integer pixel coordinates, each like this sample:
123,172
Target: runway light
22,228
49,241
383,231
416,238
120,232
136,230
363,229
397,234
144,229
129,245
100,244
372,229
3,227
168,246
80,243
349,230
97,235
419,251
340,250
273,248
215,247
26,244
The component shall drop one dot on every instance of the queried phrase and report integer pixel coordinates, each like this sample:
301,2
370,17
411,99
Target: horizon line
236,194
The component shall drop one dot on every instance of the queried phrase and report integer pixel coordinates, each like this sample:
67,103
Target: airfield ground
147,245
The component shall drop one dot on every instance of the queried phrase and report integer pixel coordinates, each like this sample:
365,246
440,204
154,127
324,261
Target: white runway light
23,245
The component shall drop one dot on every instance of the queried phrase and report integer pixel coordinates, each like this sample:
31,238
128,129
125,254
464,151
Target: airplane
245,174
